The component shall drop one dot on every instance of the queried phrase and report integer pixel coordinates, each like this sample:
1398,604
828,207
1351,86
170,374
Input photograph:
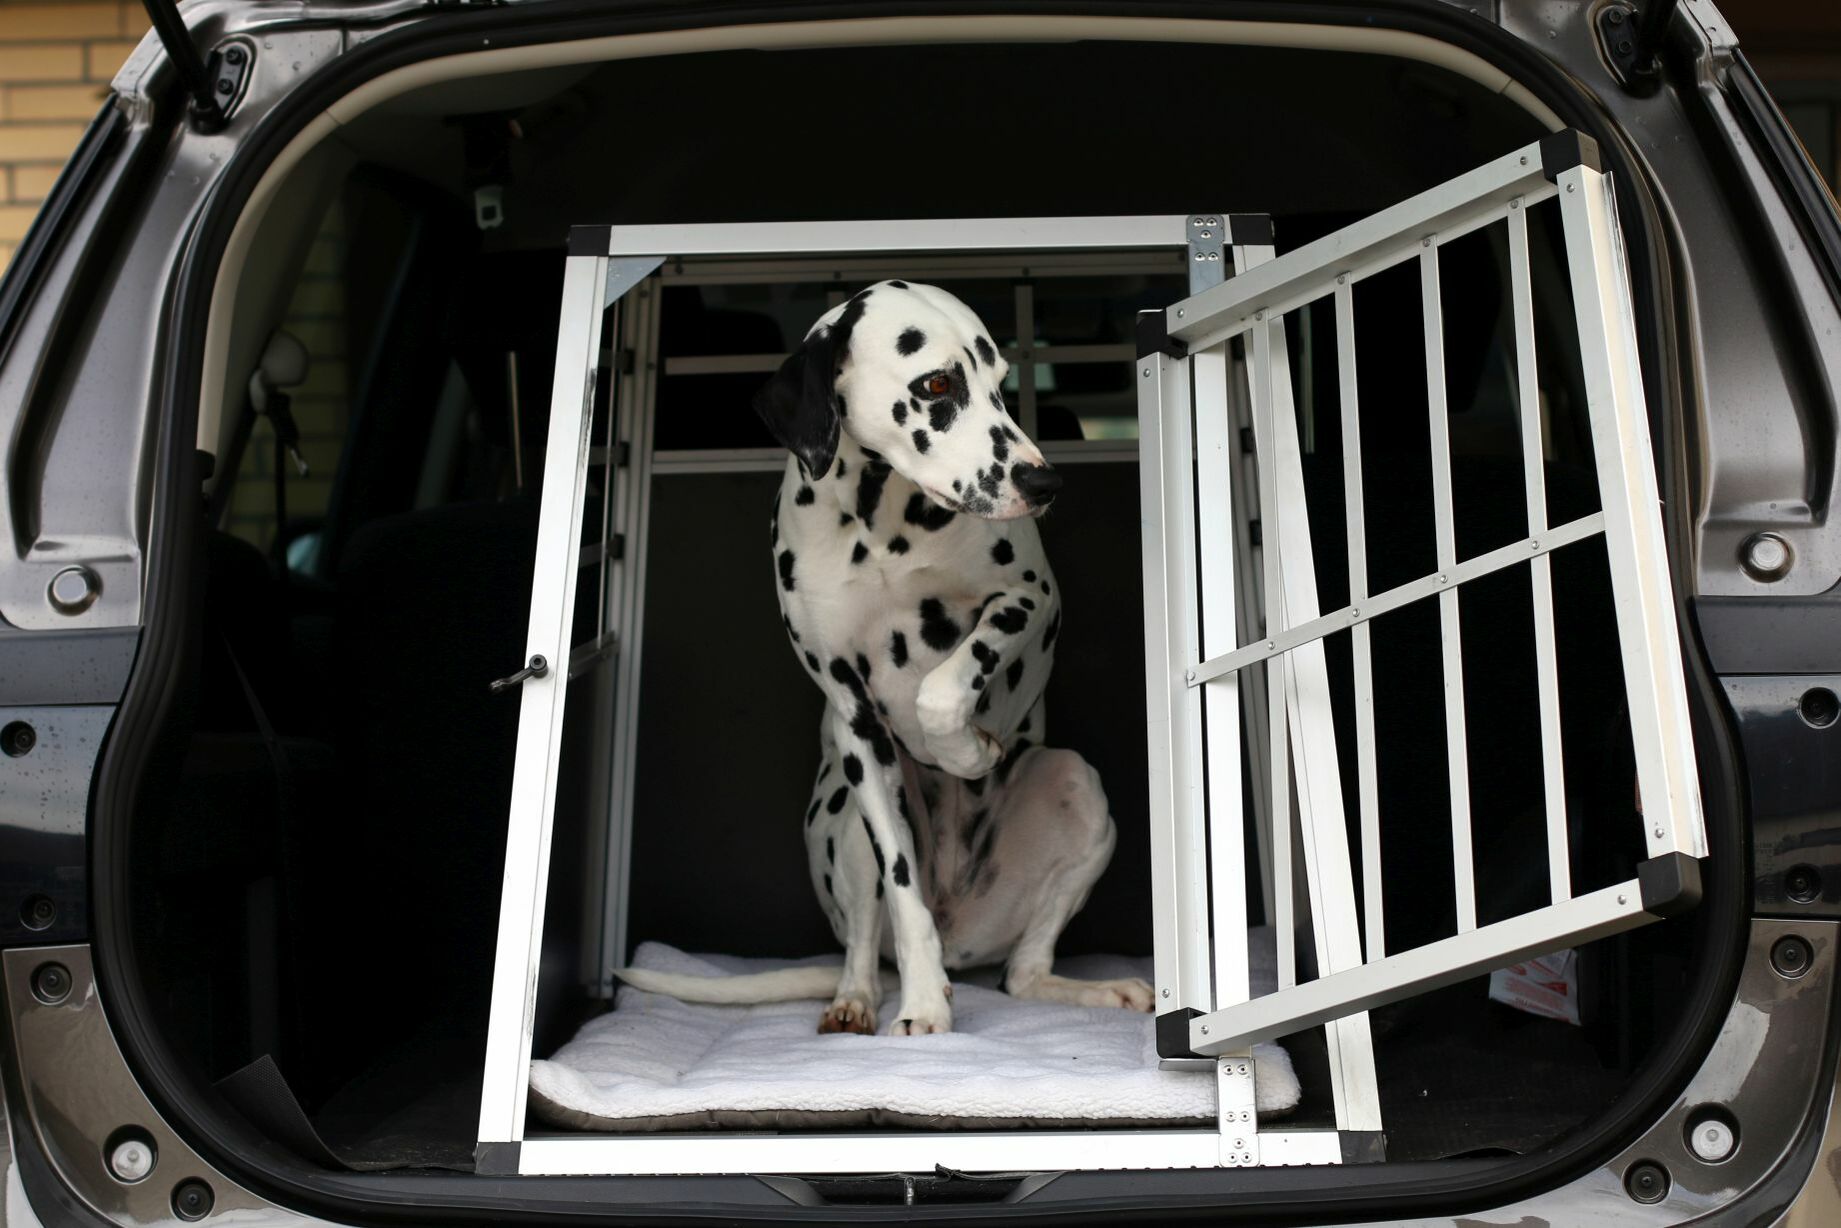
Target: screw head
1802,883
1712,1138
51,983
1646,1182
131,1159
1204,1029
1791,957
1569,187
74,590
1623,899
38,912
17,739
235,55
1166,993
192,1200
1766,557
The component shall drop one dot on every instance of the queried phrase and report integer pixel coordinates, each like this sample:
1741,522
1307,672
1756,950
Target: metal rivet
1188,675
1791,957
74,590
1515,203
1342,279
1260,314
1271,645
1204,1029
1524,159
1426,242
1766,557
51,983
1534,544
1443,578
1623,899
1659,833
1569,187
131,1159
1147,373
1354,613
1179,313
1712,1139
1166,993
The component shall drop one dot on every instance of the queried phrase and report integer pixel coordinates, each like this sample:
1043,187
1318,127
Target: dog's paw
968,752
848,1015
1129,993
922,1017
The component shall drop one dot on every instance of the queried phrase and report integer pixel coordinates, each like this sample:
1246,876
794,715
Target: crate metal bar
1179,846
1413,590
1546,651
1214,465
1450,632
985,234
1634,540
541,702
1574,922
1277,732
1361,649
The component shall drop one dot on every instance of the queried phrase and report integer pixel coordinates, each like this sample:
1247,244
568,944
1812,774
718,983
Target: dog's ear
799,404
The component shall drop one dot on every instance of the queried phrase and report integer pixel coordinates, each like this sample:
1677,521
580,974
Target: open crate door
1215,621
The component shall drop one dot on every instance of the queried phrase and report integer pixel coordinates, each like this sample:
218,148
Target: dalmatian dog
915,591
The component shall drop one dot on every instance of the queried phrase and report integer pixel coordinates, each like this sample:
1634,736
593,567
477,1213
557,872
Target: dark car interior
319,861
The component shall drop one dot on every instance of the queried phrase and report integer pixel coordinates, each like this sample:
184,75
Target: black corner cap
589,240
1253,228
496,1159
1154,336
1173,1033
1363,1146
1561,151
1670,884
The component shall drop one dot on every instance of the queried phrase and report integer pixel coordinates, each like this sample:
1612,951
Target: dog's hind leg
1055,824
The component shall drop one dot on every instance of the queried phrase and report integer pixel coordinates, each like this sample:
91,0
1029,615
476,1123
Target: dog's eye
939,385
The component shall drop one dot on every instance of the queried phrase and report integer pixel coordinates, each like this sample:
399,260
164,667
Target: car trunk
318,858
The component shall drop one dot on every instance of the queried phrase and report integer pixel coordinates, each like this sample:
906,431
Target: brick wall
56,59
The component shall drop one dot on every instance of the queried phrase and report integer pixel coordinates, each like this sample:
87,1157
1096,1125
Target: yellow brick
54,101
133,19
105,58
38,142
19,22
13,221
59,62
33,183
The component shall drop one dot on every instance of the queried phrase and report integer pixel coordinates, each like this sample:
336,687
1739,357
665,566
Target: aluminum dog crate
1208,583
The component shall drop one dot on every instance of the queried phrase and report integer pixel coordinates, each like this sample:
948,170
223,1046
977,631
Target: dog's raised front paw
968,752
848,1015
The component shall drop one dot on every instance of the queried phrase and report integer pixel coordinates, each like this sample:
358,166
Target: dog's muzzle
1038,483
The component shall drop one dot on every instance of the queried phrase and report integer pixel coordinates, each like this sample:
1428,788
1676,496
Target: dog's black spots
840,466
844,518
901,870
859,552
853,769
922,441
898,649
971,356
938,631
840,670
910,341
811,662
898,544
941,413
828,890
978,685
874,456
984,700
1014,674
813,812
824,770
843,410
882,707
901,801
987,659
1054,629
957,485
1029,577
805,496
1010,620
1002,553
1009,434
1000,448
926,513
789,628
900,413
863,667
860,295
899,285
997,403
868,726
1026,603
786,570
986,351
989,480
1045,589
830,848
869,491
836,804
875,848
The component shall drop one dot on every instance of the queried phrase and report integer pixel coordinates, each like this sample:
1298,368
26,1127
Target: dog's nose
1038,483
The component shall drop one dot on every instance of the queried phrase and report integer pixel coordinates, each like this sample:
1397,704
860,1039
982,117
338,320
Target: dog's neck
868,490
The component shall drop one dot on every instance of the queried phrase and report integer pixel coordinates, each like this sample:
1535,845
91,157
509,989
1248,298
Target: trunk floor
1459,1076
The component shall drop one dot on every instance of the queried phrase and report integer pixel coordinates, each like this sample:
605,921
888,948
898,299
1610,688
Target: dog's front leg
994,654
872,769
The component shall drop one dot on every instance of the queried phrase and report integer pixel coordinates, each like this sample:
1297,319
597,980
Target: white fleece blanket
657,1063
